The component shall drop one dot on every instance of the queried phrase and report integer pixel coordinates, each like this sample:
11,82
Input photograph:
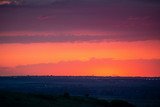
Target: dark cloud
74,38
39,39
137,19
82,3
68,3
59,19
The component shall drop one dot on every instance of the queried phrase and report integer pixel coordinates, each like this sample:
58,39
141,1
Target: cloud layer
75,38
62,2
130,19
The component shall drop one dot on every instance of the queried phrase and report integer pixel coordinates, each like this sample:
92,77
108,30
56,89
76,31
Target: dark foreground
10,99
140,91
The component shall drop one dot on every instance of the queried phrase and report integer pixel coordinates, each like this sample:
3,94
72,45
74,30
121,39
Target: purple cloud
75,38
135,19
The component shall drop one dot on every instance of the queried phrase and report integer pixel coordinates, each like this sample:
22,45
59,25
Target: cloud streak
74,38
4,2
80,2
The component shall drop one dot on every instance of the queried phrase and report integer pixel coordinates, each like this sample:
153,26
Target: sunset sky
80,37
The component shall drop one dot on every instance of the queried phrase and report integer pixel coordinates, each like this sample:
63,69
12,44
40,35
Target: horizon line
78,76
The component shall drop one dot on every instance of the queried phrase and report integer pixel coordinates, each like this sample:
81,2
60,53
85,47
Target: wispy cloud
4,2
11,2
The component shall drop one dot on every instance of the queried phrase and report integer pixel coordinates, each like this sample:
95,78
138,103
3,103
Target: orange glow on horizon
137,58
93,67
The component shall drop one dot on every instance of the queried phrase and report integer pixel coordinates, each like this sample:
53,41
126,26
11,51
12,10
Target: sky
80,37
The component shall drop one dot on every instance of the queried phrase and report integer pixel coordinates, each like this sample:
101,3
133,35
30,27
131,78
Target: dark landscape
80,91
65,100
